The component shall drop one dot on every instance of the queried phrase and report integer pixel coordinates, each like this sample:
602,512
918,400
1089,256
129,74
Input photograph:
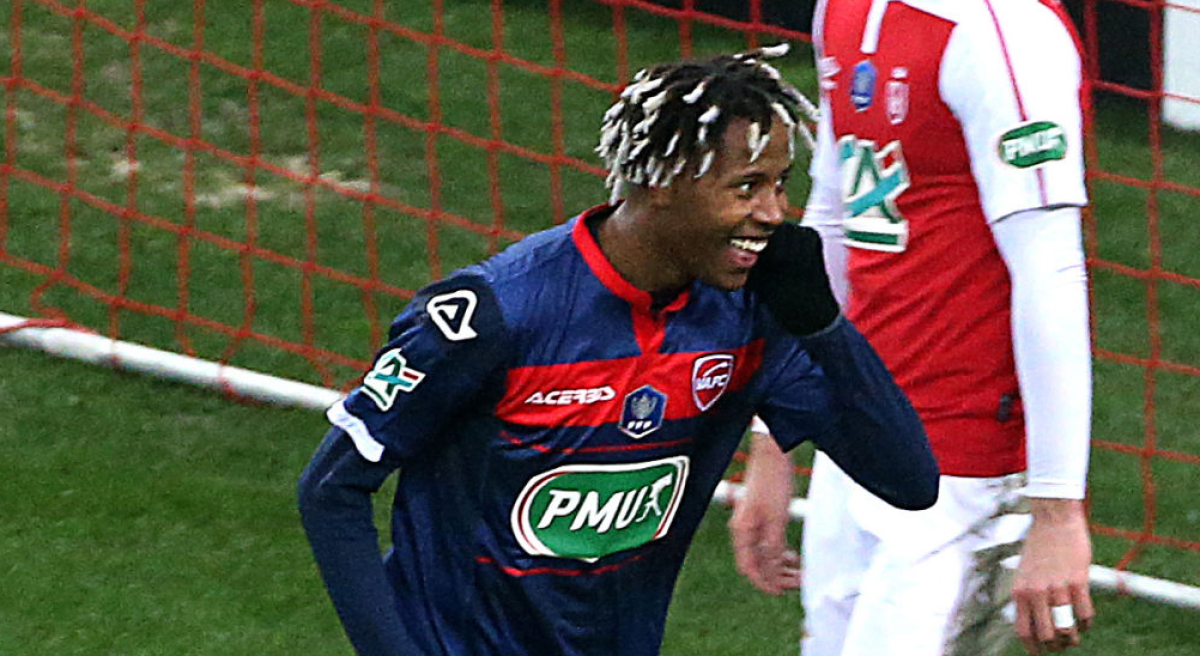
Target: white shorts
879,581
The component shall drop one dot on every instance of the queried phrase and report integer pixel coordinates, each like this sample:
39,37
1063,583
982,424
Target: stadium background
264,183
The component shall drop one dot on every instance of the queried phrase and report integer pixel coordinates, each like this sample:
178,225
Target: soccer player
947,184
561,413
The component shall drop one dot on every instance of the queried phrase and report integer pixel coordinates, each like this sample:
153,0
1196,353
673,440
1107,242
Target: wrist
1048,511
768,463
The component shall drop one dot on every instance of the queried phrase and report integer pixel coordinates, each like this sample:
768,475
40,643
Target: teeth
752,245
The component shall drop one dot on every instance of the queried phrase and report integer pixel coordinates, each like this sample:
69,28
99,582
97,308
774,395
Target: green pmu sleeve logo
1032,144
591,511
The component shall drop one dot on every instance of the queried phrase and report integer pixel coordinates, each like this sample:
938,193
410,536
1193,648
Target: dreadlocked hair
674,114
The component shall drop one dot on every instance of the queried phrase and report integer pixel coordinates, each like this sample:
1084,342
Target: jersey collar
641,300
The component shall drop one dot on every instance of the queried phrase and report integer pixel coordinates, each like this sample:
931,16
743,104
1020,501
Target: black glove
790,277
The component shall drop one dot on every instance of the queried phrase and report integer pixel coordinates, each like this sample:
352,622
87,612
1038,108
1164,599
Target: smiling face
712,228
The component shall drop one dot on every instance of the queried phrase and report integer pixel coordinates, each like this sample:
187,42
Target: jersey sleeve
798,408
442,351
839,394
824,211
1012,77
1044,254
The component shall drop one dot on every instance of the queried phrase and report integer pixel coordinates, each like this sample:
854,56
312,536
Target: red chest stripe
592,393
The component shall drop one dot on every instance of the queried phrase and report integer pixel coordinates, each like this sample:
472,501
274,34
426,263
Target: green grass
148,518
145,518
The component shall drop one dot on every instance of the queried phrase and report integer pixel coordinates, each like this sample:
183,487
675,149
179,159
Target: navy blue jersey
559,439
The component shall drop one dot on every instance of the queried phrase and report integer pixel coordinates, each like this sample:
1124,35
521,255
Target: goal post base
89,347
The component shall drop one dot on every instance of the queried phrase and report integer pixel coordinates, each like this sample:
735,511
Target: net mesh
266,183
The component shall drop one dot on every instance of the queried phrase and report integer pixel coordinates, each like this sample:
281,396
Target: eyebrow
758,175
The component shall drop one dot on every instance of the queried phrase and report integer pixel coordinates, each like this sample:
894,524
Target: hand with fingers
758,526
1053,600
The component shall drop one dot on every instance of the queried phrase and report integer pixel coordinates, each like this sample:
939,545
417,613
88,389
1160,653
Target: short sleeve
442,350
1012,77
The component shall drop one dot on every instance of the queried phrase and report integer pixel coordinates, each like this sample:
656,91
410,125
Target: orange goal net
265,183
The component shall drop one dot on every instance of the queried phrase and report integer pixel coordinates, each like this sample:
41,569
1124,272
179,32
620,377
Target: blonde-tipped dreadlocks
674,114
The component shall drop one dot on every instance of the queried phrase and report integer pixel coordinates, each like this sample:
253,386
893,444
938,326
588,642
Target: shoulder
996,26
977,13
523,282
535,272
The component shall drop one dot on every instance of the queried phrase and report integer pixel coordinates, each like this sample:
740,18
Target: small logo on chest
862,85
711,375
643,412
895,96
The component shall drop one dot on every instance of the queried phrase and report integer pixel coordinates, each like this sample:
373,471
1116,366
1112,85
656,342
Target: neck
625,241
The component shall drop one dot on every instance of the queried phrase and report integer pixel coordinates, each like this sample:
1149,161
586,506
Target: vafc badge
643,412
862,85
896,96
711,375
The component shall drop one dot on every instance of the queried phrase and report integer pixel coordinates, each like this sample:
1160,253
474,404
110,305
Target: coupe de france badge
643,412
862,85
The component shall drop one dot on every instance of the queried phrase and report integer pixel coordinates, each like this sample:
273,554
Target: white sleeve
757,425
823,211
1044,254
1013,81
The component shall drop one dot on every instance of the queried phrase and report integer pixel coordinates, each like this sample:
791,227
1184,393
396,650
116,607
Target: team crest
390,376
895,96
643,412
711,375
862,85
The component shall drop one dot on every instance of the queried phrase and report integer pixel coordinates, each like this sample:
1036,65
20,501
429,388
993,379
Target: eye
745,190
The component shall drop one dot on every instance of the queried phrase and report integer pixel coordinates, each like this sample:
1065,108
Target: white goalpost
100,350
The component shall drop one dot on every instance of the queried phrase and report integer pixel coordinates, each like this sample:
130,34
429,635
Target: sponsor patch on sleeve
1032,144
390,376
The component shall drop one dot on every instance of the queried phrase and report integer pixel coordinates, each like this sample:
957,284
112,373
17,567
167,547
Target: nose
770,207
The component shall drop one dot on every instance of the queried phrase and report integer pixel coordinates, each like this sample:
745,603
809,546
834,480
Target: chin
729,282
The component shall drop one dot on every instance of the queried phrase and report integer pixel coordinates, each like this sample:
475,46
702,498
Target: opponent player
950,164
561,413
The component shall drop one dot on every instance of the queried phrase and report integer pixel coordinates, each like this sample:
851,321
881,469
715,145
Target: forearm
335,508
880,441
769,471
1051,346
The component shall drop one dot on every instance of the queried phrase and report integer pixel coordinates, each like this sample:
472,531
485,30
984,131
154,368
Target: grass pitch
143,517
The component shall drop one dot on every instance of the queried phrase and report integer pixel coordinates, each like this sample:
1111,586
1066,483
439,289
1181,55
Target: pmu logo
588,511
711,375
643,412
